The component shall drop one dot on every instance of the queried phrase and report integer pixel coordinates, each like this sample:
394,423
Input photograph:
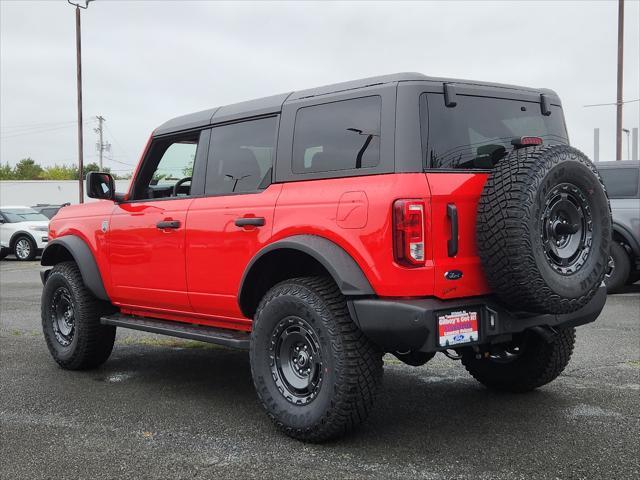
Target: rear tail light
408,232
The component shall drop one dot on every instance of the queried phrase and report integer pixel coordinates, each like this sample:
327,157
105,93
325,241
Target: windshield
478,131
15,215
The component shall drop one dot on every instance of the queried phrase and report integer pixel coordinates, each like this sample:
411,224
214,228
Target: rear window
621,182
477,132
334,136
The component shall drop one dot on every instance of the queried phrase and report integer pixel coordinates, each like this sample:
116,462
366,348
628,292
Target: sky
145,62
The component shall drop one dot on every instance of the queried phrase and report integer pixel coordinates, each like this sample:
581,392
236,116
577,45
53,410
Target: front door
234,219
147,232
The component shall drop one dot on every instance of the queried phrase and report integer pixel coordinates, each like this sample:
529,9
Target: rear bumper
401,325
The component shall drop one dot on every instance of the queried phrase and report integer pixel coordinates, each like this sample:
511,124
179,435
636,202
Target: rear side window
342,135
620,182
477,132
241,157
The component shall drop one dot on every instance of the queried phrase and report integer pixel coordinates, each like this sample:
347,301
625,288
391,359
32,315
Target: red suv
320,229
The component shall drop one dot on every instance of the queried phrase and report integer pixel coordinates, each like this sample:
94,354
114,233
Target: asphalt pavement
164,408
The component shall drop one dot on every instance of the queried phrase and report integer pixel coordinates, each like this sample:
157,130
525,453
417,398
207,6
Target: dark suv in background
622,180
49,210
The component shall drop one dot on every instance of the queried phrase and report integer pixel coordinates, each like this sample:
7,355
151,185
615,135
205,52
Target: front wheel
528,362
71,320
25,248
315,372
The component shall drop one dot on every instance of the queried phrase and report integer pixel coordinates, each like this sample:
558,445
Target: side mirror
100,185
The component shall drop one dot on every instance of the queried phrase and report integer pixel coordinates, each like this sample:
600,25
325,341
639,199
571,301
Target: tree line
28,169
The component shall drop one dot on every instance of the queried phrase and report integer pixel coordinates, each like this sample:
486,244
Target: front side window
241,157
337,136
16,215
168,167
478,131
620,182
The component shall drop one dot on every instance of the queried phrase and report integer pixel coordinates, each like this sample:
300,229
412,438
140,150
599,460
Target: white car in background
23,232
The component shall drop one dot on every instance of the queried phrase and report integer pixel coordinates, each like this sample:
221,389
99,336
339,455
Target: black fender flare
344,270
55,252
628,237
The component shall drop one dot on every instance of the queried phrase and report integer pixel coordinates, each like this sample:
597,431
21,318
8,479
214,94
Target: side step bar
219,336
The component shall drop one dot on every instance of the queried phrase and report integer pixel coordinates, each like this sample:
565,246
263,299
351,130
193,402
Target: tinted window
337,136
620,182
241,156
478,131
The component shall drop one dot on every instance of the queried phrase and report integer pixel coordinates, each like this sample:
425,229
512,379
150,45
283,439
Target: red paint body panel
147,263
312,207
218,251
193,273
463,190
85,221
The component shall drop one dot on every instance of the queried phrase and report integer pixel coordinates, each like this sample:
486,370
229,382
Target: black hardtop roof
273,104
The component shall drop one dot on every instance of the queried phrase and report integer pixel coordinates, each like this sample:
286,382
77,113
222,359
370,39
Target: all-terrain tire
83,342
530,259
350,365
539,362
618,274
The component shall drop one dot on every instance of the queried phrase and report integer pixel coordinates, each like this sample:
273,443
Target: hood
36,223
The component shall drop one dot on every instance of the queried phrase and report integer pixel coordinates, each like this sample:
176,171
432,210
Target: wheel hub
567,228
296,360
62,316
23,249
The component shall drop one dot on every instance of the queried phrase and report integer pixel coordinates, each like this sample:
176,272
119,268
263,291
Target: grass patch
166,342
634,363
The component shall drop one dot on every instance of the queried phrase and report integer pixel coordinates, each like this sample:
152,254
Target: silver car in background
622,180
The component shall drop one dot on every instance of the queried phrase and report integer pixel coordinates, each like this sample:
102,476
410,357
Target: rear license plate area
456,327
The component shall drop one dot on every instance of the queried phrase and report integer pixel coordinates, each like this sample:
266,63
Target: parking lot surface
166,408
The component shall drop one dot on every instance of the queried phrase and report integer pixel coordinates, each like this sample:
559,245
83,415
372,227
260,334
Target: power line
30,126
37,132
614,103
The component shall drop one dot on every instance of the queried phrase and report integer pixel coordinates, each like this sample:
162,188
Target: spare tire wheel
544,229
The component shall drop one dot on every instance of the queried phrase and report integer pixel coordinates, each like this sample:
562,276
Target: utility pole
79,88
619,97
101,146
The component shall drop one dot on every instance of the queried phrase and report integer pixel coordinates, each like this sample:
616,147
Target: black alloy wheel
62,314
296,360
567,228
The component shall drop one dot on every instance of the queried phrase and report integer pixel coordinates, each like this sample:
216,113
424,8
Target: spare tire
544,229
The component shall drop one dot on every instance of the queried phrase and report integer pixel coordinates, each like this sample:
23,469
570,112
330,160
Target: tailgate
457,268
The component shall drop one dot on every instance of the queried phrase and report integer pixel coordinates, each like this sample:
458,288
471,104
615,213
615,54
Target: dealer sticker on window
458,327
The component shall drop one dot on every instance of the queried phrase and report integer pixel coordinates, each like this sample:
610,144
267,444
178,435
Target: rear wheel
315,372
528,362
71,320
24,248
618,269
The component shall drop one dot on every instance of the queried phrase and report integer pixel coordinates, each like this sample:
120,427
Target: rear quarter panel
355,213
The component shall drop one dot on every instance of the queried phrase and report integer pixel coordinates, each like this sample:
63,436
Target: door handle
250,222
452,243
168,224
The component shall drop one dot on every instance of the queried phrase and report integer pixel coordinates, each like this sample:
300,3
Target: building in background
33,192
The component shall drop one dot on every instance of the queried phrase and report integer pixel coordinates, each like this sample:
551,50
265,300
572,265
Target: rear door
461,145
234,218
147,233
